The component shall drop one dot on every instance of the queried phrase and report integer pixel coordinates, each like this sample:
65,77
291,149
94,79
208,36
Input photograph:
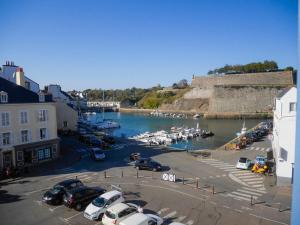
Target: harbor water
136,123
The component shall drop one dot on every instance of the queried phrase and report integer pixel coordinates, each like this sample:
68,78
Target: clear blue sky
118,44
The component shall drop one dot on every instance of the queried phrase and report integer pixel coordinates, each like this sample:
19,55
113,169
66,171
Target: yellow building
28,127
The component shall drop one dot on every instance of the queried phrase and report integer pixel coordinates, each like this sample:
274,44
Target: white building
57,94
9,72
284,133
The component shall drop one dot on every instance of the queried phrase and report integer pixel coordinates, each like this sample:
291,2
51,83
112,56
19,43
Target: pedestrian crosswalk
262,149
252,184
168,214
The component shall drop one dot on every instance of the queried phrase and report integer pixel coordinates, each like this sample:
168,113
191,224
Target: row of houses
30,119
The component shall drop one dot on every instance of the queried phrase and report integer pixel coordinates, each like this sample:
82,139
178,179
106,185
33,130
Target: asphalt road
223,195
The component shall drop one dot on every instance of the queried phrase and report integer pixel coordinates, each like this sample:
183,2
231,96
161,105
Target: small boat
206,134
196,116
243,130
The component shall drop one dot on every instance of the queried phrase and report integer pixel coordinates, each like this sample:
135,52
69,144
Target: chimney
20,78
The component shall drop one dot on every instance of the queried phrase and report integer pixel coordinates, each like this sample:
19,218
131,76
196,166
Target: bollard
213,189
105,174
152,175
137,174
183,180
197,184
122,174
251,200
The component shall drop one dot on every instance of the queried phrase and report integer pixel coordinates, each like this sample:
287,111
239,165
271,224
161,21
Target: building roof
17,94
283,92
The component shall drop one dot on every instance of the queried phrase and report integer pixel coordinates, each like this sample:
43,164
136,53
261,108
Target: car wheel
138,168
78,206
100,216
154,169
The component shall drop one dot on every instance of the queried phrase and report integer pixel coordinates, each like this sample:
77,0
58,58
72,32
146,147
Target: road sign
168,177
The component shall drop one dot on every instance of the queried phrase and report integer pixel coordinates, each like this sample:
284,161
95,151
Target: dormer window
3,97
41,97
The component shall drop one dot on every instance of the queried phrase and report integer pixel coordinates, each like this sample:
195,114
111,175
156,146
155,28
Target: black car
147,164
79,197
55,195
109,139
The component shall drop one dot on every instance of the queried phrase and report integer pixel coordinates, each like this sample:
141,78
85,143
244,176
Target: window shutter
38,134
19,138
29,136
47,133
46,114
11,136
1,140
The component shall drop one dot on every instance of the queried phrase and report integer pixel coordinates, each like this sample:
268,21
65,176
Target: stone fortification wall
243,99
276,78
197,93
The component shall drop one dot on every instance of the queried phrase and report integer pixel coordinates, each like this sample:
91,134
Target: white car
96,209
97,154
142,219
243,163
119,212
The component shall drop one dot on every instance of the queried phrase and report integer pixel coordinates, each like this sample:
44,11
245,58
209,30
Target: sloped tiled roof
283,92
16,93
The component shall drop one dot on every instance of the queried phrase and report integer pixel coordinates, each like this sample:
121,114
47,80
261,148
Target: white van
142,219
97,154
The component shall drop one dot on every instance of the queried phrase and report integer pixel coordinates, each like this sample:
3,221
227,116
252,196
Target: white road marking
246,208
39,190
190,222
39,202
170,215
249,192
254,179
255,190
77,214
225,206
52,209
162,210
238,210
239,198
258,185
254,182
243,195
275,221
181,218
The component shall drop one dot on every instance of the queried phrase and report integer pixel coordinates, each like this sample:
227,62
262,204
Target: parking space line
264,218
181,218
77,214
162,210
52,209
170,215
31,192
190,222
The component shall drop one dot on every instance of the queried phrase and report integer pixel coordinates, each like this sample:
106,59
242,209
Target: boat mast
102,104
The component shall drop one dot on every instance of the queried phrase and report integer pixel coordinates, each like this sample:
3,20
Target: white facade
284,133
8,72
57,94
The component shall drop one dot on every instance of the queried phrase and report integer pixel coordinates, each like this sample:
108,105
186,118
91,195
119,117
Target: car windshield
99,202
98,152
243,160
110,215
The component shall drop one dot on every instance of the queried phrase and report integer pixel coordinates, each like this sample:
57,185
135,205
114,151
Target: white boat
243,130
196,116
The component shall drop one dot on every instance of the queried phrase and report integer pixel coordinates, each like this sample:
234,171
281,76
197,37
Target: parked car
243,163
147,164
79,197
96,209
142,219
260,159
97,154
119,212
176,223
55,195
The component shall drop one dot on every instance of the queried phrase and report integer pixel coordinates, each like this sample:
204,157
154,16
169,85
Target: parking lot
206,191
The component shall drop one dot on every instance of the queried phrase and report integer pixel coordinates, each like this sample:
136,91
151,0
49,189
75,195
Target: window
65,123
44,154
24,117
43,132
6,139
43,115
24,136
283,154
5,119
41,97
4,97
19,156
292,106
